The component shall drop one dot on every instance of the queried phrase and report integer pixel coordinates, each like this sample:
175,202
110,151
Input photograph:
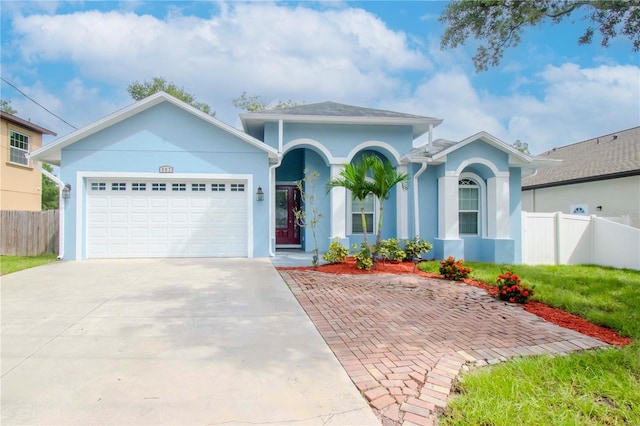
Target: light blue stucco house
160,178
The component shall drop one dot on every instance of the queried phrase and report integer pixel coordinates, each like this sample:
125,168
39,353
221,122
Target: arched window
468,207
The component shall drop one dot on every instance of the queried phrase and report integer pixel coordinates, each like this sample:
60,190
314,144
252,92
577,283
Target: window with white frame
237,187
18,147
468,207
369,214
217,187
118,186
138,186
197,187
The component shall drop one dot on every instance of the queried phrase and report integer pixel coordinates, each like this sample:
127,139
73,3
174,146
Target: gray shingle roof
608,156
334,109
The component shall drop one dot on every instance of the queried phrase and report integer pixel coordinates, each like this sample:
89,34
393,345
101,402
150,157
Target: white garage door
166,218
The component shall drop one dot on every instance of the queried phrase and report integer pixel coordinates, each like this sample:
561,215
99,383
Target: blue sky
76,58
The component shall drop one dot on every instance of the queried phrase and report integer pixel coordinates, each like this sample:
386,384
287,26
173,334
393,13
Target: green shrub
363,257
337,252
390,250
511,289
415,247
455,270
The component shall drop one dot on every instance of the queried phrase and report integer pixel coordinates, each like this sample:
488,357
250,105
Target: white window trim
22,151
482,208
376,212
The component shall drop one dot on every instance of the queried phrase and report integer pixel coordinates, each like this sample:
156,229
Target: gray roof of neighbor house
604,157
26,124
335,113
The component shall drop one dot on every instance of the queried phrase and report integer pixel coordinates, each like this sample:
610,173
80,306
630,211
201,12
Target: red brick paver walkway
403,339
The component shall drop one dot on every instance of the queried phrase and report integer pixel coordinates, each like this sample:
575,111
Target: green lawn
599,387
9,264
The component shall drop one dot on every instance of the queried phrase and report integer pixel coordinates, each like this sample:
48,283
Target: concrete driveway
166,341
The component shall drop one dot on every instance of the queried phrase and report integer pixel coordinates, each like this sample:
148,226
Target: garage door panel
159,201
119,232
98,202
140,217
115,202
155,232
156,217
192,221
177,218
139,202
139,232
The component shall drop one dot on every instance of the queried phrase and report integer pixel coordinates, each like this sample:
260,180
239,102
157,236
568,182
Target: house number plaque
166,169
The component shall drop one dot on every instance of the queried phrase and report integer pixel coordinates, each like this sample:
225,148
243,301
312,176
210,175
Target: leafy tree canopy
523,147
50,193
142,90
499,24
256,103
5,106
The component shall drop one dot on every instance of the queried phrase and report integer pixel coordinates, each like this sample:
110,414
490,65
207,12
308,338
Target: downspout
272,194
416,207
60,185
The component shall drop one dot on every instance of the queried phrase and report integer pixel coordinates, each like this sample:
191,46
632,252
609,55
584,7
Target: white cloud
339,54
578,104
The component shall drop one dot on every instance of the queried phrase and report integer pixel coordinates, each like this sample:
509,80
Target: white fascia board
491,140
539,163
420,125
51,153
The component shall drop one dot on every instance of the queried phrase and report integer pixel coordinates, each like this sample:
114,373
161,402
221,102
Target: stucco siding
164,135
20,186
428,203
618,197
340,140
482,150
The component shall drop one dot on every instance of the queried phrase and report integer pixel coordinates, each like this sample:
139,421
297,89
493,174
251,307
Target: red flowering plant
452,269
511,289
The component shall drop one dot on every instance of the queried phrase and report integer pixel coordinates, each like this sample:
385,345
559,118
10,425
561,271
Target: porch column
338,206
402,207
498,209
448,208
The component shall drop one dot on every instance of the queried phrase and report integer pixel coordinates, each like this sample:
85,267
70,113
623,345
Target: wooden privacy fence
25,233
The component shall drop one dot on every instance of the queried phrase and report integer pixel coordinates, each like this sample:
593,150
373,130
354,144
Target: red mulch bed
553,315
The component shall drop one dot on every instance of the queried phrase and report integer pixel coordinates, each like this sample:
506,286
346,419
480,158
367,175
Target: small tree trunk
379,236
364,224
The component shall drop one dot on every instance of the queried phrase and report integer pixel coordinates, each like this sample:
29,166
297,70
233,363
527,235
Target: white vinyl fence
564,239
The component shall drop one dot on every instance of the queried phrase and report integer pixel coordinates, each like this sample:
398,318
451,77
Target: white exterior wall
618,197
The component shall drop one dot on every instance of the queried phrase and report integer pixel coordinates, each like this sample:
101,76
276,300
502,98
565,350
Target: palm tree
353,177
385,177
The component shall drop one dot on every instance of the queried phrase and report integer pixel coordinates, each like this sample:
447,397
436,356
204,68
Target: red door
287,201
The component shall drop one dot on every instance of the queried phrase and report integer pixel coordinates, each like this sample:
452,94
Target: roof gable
51,153
613,155
438,150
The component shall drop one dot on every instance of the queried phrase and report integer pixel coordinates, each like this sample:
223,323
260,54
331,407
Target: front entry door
287,201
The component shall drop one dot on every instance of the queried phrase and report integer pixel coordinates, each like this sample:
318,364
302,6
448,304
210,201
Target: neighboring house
20,182
160,178
599,176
